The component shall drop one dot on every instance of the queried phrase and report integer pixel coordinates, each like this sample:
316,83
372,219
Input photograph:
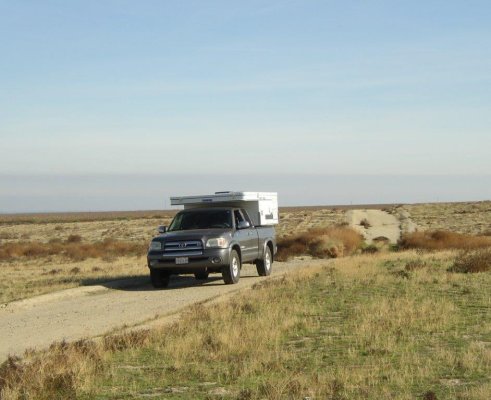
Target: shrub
470,261
320,242
126,340
72,250
51,375
74,239
441,240
370,249
381,239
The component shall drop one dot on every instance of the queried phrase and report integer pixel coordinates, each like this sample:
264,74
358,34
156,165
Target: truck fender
236,246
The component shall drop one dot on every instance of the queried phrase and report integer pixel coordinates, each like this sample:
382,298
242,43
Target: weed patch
443,240
73,249
472,261
54,375
321,243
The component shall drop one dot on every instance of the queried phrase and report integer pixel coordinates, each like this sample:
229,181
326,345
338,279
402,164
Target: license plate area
182,260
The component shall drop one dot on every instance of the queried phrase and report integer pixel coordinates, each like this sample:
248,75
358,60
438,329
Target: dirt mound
378,225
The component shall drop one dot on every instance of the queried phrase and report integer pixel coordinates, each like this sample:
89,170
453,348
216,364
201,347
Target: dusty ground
94,310
375,225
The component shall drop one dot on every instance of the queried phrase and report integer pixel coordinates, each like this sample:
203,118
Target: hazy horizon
72,193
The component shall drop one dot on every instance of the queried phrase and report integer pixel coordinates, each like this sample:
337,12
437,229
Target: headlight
217,242
155,245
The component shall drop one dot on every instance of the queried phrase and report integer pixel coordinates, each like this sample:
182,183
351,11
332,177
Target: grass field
383,326
471,218
415,323
37,256
33,272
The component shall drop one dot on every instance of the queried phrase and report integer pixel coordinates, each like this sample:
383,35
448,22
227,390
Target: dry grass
35,276
72,249
64,368
56,376
320,242
472,261
473,218
51,218
398,326
45,234
352,329
441,240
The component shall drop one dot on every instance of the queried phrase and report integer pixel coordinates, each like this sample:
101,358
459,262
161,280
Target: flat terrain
385,326
91,311
472,218
390,325
26,276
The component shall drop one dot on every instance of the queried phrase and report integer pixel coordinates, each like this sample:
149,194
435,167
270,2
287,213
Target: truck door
247,238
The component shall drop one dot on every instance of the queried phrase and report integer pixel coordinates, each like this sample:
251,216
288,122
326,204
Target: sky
108,105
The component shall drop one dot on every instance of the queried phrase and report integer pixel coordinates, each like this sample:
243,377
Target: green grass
385,336
362,327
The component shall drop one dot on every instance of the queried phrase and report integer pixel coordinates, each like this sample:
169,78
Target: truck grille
183,248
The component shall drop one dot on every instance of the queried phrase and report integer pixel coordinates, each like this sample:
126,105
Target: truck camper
216,233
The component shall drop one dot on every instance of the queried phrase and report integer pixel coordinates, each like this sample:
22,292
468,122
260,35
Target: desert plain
343,317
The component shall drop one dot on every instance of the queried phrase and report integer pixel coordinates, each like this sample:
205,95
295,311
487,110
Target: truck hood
198,234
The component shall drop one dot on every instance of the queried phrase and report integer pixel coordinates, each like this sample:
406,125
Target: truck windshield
201,219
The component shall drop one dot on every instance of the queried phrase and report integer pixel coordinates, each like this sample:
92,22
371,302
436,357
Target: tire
231,273
201,275
265,265
159,279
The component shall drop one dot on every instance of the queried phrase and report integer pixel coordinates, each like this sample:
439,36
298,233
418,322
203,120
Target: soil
375,225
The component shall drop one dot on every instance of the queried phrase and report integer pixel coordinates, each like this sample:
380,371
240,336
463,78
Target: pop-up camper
262,207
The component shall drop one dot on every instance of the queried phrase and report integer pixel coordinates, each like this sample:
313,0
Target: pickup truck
209,240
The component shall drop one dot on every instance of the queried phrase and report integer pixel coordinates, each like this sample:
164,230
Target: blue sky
327,88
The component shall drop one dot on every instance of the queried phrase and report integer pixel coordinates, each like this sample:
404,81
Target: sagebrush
472,261
320,242
443,240
73,249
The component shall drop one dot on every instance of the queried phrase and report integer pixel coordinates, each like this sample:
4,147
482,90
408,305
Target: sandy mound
378,225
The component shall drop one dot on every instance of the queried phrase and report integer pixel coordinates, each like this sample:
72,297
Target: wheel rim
267,261
235,266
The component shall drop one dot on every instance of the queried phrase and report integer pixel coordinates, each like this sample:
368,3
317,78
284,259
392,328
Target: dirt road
92,311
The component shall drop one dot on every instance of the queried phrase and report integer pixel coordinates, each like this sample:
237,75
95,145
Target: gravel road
92,311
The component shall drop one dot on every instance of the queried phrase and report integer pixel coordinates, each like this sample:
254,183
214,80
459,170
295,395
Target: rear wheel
265,265
159,279
201,275
231,273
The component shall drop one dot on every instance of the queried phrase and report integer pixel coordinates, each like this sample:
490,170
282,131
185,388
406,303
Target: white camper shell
262,207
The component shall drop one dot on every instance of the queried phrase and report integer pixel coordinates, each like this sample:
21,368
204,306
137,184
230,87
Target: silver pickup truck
206,240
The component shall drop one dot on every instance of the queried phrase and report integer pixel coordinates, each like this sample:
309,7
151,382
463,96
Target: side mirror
243,225
162,229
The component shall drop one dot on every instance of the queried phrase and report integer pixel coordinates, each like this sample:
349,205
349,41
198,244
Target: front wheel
159,279
265,265
231,273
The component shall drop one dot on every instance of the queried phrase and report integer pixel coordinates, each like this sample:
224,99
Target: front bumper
211,259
